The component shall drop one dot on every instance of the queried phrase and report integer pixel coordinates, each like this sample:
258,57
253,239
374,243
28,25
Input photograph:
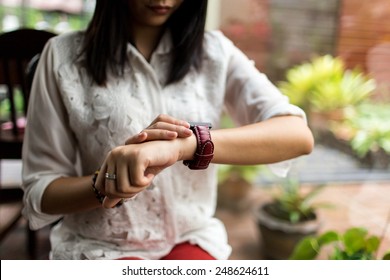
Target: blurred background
332,58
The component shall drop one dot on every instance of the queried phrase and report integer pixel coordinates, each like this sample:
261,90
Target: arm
136,164
273,140
74,194
276,139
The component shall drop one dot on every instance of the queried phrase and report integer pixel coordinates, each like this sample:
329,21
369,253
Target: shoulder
217,37
69,38
216,43
66,45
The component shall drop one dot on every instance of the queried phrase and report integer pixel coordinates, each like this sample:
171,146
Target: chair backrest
17,48
19,53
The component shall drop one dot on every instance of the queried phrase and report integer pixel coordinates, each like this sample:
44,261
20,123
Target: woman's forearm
270,141
69,195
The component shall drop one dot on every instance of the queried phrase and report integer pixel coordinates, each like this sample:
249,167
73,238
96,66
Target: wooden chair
17,49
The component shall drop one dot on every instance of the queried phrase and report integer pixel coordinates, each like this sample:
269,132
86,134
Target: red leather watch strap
205,148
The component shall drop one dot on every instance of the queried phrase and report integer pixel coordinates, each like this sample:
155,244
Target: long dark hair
106,39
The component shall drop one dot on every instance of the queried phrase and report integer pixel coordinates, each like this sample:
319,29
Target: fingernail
188,131
171,134
185,124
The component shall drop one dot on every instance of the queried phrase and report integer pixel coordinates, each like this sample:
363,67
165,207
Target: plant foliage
291,204
353,244
324,84
369,127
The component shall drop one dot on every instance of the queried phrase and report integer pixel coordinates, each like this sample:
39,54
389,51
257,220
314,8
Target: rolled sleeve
251,96
49,145
32,201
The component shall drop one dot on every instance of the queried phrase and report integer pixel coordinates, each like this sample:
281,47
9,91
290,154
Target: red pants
184,251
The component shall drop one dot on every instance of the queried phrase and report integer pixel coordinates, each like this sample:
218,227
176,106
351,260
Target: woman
119,98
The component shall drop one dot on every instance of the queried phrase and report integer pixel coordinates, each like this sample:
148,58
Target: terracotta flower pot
234,194
279,237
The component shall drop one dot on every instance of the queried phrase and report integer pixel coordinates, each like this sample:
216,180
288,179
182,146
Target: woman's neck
146,39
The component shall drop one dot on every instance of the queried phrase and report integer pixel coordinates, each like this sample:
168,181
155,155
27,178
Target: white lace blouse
72,124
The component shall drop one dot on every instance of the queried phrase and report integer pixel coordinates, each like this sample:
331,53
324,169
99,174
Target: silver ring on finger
109,176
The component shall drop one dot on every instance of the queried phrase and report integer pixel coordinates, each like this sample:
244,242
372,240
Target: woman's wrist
99,196
187,147
204,152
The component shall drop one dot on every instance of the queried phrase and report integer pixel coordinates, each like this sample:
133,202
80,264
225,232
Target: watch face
193,124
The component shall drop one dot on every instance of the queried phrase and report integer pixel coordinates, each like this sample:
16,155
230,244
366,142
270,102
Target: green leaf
372,244
354,240
328,237
315,190
354,244
386,256
338,254
306,249
370,126
294,217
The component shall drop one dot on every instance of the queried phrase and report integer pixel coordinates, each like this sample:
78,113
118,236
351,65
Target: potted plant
370,133
324,88
303,79
364,134
287,218
354,244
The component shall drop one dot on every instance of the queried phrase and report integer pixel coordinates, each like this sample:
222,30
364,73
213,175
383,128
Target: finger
151,172
181,131
123,184
138,177
110,179
169,119
159,134
136,139
110,202
99,184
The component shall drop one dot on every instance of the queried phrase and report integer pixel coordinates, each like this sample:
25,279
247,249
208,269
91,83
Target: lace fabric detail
99,116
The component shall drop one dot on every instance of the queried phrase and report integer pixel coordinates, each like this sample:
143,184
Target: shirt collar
165,45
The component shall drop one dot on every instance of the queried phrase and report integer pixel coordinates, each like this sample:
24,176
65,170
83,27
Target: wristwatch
205,147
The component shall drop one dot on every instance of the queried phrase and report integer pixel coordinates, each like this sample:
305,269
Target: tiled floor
365,204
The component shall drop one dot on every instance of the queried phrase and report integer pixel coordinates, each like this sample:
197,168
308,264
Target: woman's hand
140,163
135,166
164,127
